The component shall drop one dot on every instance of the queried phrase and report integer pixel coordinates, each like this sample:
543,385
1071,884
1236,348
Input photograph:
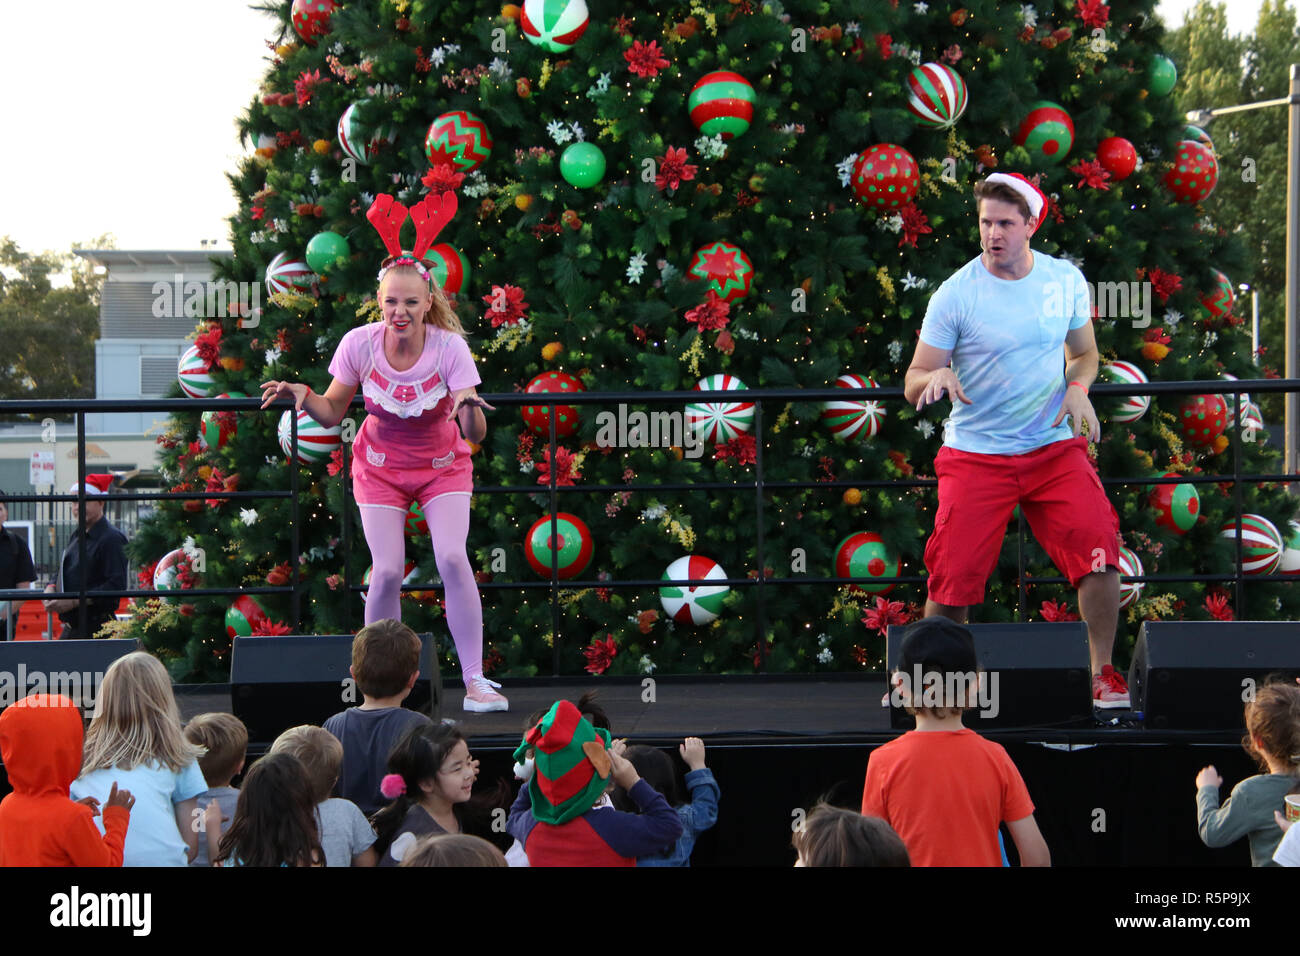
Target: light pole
1292,102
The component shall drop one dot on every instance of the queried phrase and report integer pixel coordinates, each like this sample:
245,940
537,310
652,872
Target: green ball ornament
1177,507
246,616
326,251
1162,76
582,165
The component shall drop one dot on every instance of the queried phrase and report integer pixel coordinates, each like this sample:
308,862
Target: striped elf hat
572,765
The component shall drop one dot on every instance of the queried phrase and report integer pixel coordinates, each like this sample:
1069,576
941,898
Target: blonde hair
136,719
320,754
440,314
453,849
224,739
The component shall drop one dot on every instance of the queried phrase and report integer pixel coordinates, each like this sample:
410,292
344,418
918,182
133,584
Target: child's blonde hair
136,719
320,754
224,739
440,312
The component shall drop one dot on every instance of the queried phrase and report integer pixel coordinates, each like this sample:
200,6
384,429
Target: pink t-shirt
406,425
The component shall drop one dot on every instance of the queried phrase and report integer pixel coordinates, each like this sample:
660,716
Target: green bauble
582,165
326,251
1161,76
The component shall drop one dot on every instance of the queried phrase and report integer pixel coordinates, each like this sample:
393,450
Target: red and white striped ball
193,374
857,417
1135,406
936,95
315,442
1261,543
720,421
1129,565
288,275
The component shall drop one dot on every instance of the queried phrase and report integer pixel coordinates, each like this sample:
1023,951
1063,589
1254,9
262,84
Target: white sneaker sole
1112,704
474,707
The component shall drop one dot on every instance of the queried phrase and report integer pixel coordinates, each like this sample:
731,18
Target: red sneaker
1109,690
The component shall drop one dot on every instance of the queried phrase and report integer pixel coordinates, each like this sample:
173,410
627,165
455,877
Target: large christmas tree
763,194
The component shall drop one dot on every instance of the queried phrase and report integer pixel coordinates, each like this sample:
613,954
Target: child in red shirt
40,742
942,786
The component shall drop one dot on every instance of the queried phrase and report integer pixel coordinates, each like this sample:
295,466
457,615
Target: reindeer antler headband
430,215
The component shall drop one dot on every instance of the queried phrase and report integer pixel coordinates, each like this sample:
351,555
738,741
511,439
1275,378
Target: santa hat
1033,196
95,485
572,764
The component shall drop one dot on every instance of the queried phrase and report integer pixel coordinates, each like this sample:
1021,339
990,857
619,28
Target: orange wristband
1081,385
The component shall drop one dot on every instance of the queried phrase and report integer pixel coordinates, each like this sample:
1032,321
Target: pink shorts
394,477
1059,494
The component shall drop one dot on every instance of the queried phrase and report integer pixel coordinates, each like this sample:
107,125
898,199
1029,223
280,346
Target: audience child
942,787
453,849
40,744
275,822
563,817
431,781
656,768
345,834
385,664
135,739
1273,739
834,836
224,739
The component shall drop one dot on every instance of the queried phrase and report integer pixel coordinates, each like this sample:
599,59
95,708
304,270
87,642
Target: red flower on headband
442,178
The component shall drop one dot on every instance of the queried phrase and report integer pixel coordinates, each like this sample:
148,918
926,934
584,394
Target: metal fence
130,508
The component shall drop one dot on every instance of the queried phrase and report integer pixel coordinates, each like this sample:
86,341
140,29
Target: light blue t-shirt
1007,338
153,838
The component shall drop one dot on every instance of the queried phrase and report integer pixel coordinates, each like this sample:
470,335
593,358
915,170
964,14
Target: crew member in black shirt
105,567
16,569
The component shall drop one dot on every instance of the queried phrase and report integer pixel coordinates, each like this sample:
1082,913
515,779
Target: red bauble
1117,156
311,18
886,177
536,417
1195,172
1202,419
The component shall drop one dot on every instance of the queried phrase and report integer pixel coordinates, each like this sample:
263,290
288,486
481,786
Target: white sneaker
480,698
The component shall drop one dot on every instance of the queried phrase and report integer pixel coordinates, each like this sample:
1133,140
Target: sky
125,124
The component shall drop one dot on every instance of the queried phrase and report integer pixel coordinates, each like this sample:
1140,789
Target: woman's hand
466,396
274,390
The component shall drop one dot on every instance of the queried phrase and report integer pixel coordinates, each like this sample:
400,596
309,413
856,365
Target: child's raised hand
119,798
619,746
1208,777
625,774
91,802
212,818
692,751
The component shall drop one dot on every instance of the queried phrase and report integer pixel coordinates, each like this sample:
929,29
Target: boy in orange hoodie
40,825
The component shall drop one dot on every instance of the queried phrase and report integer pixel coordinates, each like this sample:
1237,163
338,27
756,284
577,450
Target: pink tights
448,520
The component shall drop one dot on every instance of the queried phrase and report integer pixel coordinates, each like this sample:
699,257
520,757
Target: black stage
1106,795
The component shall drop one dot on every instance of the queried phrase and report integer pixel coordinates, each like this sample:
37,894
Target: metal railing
759,486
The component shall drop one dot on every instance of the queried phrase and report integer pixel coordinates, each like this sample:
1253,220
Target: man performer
105,568
1001,320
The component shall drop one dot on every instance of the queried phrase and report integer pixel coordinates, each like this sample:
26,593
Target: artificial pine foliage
595,282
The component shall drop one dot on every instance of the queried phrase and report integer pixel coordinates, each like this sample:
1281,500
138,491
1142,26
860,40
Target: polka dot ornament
885,177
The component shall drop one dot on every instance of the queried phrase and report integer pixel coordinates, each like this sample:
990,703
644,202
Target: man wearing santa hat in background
1016,327
105,568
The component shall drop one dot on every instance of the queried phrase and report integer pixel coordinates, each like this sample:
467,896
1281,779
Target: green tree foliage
48,329
837,289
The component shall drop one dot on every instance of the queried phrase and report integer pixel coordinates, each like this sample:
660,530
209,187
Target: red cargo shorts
1059,494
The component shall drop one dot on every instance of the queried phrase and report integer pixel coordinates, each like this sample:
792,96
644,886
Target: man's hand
942,380
1077,405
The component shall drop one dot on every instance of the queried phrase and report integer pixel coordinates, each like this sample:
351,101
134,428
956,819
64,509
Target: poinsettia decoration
209,344
743,449
885,614
566,470
1054,612
1091,173
600,654
1217,606
673,169
1093,13
645,59
1163,284
442,178
506,305
915,224
711,314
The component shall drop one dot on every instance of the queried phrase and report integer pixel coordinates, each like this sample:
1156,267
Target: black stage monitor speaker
1035,675
283,681
74,669
1197,675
